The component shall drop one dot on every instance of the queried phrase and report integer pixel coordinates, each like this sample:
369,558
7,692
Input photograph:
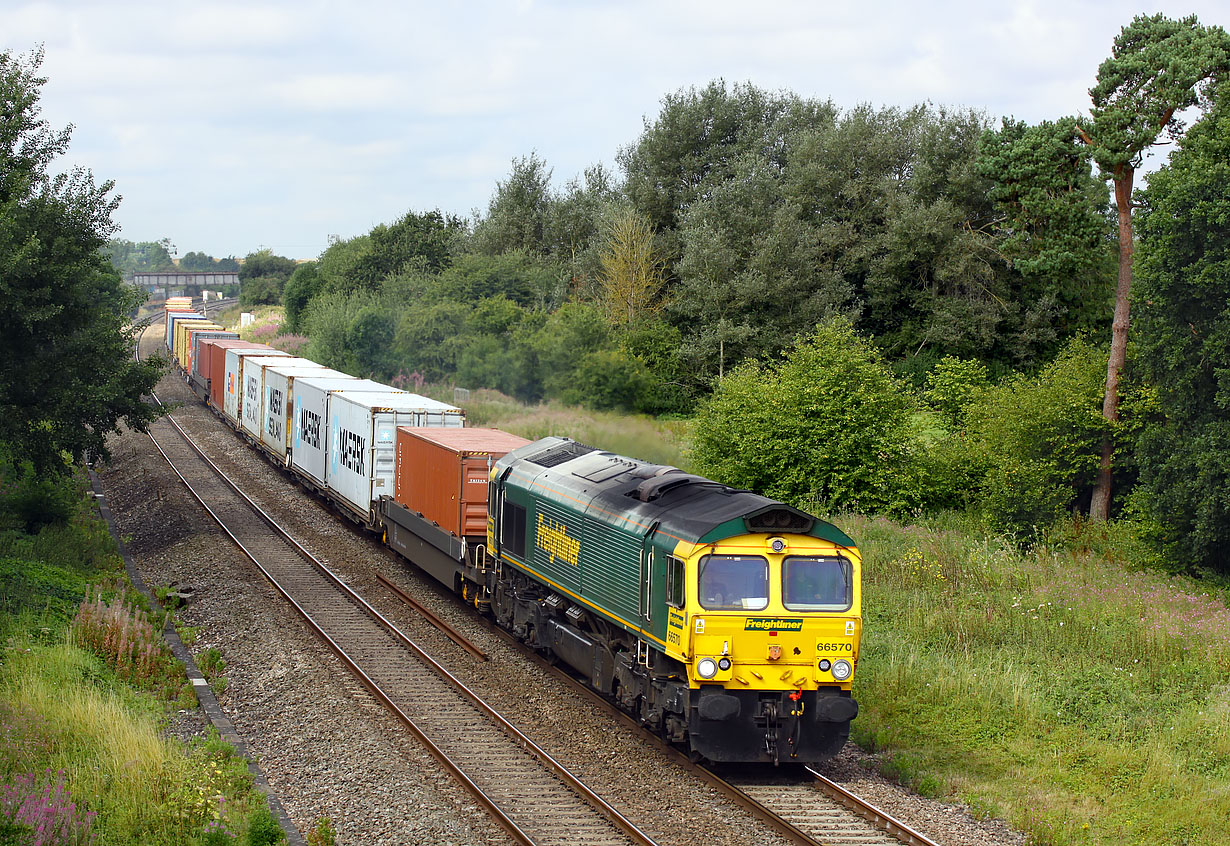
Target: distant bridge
184,279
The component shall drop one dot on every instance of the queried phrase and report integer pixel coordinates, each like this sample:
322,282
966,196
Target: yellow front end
796,627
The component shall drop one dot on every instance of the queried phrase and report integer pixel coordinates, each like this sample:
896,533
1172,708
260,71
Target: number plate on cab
834,647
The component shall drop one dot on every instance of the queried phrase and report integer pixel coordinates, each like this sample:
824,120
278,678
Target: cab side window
675,592
512,529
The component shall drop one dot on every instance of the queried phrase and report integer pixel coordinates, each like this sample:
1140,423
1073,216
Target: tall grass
62,711
657,441
1085,701
82,757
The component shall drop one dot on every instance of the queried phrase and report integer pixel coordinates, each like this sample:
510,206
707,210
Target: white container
277,398
362,447
310,432
252,380
232,391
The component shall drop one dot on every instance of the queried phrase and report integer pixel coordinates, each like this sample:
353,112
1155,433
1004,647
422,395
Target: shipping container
442,474
183,339
252,382
232,396
361,448
277,401
216,355
310,436
200,361
174,317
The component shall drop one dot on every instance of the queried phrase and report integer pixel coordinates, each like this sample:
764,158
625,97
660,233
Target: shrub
30,500
263,829
1040,439
608,379
829,423
953,385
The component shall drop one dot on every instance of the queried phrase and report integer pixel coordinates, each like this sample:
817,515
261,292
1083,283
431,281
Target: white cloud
229,125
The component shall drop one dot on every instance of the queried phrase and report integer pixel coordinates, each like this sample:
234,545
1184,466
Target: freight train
724,621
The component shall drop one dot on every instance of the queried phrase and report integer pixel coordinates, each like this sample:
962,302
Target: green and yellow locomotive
726,621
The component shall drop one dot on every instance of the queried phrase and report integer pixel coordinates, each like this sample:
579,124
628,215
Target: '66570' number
845,646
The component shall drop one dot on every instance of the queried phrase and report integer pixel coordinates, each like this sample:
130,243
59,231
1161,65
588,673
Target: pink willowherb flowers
44,806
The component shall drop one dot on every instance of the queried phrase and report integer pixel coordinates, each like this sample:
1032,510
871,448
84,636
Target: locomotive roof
635,495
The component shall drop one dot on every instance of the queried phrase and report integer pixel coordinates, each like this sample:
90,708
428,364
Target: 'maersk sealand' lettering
309,425
273,420
352,451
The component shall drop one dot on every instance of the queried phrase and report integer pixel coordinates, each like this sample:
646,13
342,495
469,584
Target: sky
232,127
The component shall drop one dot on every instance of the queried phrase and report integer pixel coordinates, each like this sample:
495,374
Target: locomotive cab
770,637
722,619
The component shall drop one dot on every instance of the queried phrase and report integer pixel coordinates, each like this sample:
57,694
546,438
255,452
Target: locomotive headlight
706,668
825,664
723,664
842,669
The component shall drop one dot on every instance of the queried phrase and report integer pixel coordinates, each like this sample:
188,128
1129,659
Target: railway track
802,804
534,798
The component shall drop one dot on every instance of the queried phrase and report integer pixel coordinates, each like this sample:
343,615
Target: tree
632,268
1158,67
1183,342
418,240
827,424
262,276
65,344
265,263
696,139
303,284
518,214
145,257
1053,231
197,261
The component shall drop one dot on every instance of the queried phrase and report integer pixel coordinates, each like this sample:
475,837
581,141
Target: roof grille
556,455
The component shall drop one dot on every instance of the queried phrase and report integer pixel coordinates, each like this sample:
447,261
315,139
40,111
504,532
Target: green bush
609,379
1040,440
30,499
828,424
263,829
953,385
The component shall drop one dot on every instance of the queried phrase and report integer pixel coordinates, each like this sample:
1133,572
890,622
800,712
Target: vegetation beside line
86,690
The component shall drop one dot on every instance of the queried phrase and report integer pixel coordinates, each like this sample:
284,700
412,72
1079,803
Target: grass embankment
1082,701
85,690
659,441
1063,689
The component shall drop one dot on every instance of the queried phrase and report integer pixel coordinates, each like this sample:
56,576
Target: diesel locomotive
726,622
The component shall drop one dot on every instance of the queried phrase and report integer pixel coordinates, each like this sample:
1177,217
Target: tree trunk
1099,507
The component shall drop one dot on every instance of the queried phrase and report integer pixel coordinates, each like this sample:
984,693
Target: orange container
442,474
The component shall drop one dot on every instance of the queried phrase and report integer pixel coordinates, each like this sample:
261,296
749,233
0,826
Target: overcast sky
277,123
